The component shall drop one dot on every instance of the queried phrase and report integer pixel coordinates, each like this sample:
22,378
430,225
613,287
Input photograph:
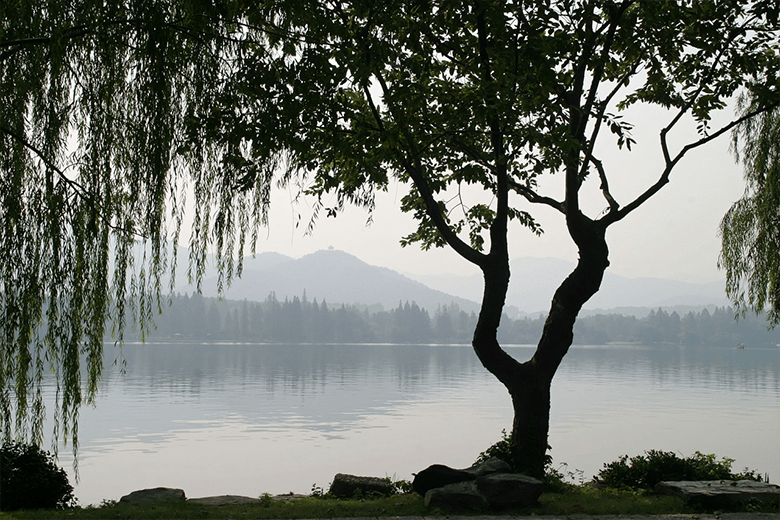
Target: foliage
645,471
504,450
30,479
111,115
749,237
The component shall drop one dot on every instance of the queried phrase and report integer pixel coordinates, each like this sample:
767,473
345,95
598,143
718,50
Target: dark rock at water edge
460,497
224,500
507,490
346,486
488,485
716,494
494,492
488,467
439,475
148,496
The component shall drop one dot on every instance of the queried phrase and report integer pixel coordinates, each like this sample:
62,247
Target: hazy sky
674,235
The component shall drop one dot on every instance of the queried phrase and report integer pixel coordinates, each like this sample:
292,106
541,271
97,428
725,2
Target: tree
750,230
469,104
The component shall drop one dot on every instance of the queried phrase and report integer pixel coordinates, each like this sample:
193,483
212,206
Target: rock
488,485
716,494
460,497
488,467
224,500
290,496
507,490
147,496
437,476
347,485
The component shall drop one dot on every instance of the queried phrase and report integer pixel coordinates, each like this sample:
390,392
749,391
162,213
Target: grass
582,500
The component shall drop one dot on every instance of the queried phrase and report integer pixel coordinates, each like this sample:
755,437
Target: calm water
249,419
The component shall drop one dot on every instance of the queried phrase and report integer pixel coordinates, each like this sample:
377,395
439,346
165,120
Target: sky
673,236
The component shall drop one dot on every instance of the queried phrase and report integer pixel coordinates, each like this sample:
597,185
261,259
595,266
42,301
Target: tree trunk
529,383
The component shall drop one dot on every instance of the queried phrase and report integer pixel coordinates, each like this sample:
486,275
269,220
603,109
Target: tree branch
613,205
533,197
415,171
614,216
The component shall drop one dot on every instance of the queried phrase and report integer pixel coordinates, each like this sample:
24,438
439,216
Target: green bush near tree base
30,479
645,471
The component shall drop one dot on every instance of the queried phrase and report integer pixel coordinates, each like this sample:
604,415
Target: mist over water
248,419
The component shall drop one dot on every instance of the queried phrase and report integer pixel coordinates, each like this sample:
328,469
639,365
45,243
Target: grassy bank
581,500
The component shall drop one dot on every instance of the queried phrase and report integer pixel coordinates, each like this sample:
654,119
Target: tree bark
529,383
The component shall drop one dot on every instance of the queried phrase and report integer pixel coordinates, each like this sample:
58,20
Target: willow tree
750,230
96,160
468,104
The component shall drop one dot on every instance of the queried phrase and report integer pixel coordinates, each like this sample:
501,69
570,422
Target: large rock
462,497
508,490
224,500
717,494
147,496
488,467
437,476
488,485
347,485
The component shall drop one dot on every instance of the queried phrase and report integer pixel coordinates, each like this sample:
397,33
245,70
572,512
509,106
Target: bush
645,471
554,479
503,450
30,479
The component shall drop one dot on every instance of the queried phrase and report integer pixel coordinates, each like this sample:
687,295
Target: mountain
331,275
534,281
339,277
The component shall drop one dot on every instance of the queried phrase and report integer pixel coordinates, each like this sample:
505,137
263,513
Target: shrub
503,450
30,479
645,471
555,480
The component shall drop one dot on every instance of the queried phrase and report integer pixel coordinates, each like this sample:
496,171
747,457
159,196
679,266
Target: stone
148,496
346,486
224,500
461,497
717,494
483,486
488,467
439,475
508,490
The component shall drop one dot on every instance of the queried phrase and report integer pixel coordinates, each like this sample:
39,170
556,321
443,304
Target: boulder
224,500
461,497
345,486
488,467
147,496
508,490
437,476
717,494
488,485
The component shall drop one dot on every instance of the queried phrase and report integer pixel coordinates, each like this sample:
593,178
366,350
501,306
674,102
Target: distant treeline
302,321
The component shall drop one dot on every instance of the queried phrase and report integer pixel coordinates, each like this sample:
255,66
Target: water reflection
248,419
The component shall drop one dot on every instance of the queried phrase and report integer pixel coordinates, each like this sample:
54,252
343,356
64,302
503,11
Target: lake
249,419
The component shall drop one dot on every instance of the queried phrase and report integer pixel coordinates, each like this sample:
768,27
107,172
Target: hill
339,277
534,281
335,276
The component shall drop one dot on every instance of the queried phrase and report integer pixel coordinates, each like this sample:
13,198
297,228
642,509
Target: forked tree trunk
529,383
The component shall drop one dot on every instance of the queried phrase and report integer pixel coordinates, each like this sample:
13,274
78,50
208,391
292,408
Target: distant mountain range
339,277
335,276
534,281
